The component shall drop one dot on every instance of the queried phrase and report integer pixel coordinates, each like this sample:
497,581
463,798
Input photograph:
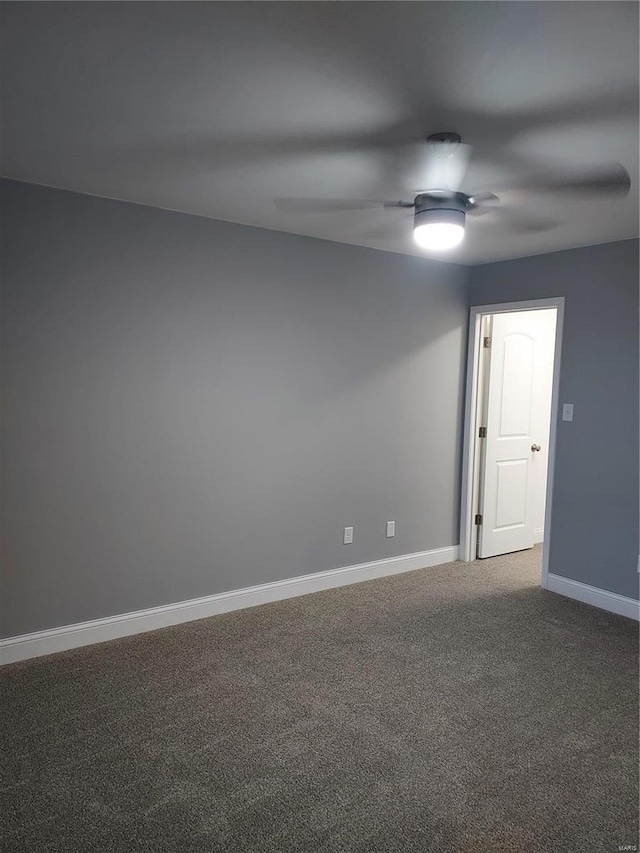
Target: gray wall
595,503
192,406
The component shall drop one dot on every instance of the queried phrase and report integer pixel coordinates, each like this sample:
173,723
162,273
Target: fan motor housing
441,208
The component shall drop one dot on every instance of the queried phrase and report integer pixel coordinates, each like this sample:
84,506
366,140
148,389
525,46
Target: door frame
471,446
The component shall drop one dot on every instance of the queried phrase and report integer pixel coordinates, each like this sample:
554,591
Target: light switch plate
391,529
567,411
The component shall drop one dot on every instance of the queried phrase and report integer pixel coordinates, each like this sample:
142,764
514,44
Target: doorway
510,426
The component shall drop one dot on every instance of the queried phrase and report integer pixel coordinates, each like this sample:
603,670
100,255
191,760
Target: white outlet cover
391,529
567,411
348,536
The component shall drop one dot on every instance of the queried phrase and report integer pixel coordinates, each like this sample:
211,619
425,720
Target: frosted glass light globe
438,236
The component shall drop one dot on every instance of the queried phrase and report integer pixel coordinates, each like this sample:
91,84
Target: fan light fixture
440,211
438,228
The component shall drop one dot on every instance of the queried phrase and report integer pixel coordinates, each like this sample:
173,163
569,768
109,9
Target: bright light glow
438,235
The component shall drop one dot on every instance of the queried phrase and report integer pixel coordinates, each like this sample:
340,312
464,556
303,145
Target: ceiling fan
440,210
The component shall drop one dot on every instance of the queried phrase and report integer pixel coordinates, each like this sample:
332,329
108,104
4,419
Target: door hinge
486,343
478,519
482,432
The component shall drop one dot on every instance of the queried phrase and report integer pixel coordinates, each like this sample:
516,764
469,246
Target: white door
517,417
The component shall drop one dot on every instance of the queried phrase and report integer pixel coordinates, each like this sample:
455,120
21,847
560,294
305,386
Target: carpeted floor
457,708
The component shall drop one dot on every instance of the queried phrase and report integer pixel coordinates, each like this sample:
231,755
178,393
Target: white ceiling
219,108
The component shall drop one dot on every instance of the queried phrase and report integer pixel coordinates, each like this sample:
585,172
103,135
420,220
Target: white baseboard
602,598
98,630
538,535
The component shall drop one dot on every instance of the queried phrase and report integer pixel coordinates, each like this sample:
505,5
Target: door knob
535,448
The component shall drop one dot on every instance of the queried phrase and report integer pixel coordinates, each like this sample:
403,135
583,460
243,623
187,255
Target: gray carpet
458,708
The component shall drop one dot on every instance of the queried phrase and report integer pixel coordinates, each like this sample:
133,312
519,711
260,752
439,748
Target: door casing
471,446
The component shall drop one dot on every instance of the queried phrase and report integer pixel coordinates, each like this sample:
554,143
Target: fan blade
528,223
402,204
331,205
516,219
446,165
482,203
606,180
